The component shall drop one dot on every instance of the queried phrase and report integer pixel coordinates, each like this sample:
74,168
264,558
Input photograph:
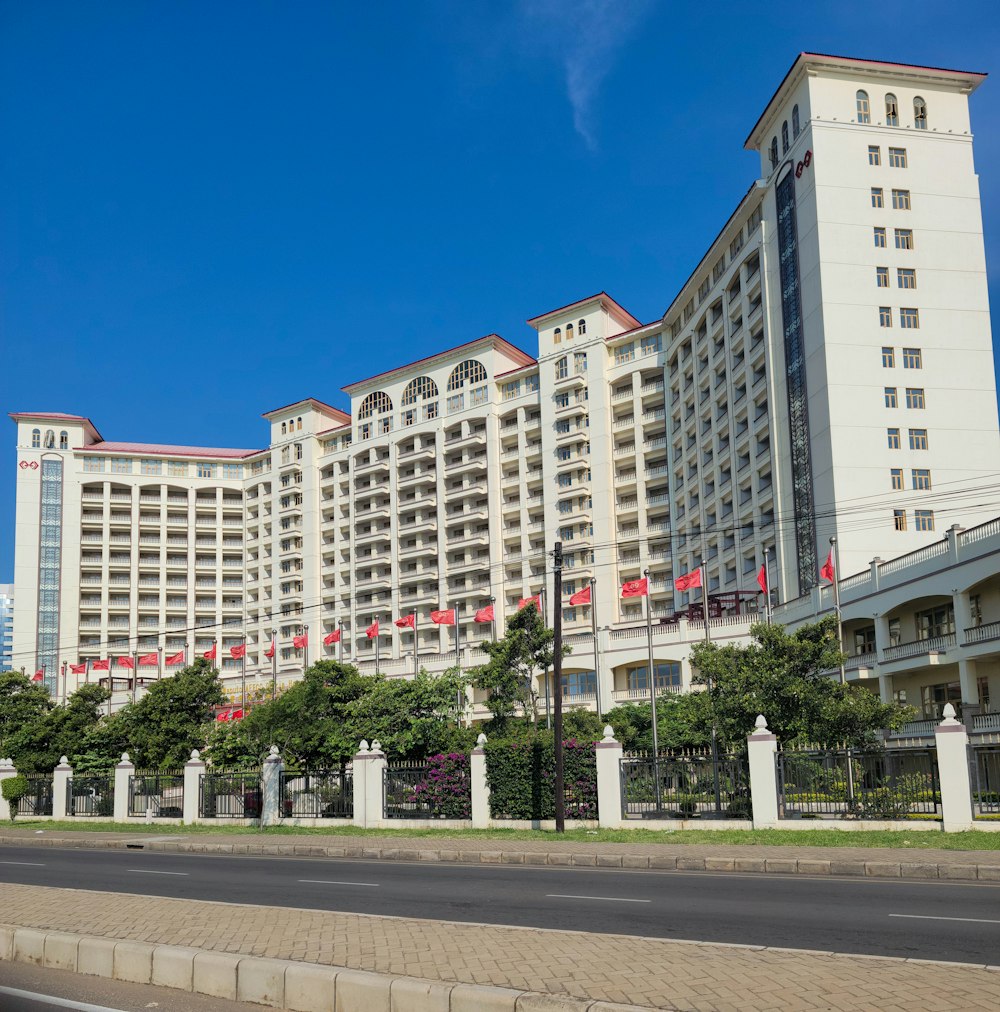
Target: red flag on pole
223,715
330,638
762,579
407,622
536,601
443,617
687,581
236,715
102,665
372,630
79,669
39,675
173,660
238,651
635,588
826,571
300,642
125,662
270,653
484,614
581,596
210,655
149,660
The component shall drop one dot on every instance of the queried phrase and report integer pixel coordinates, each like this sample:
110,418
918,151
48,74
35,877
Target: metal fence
230,795
851,783
317,794
984,775
156,793
38,798
685,786
90,796
412,791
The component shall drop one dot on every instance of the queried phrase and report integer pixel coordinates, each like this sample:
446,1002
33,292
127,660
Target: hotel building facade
826,371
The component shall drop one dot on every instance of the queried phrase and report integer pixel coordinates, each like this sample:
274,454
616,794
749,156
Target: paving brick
559,857
690,863
957,871
584,860
720,864
635,860
490,856
215,974
406,994
61,950
989,872
751,864
261,981
609,860
664,862
847,867
96,956
310,988
806,867
358,991
29,946
915,869
512,857
134,962
783,865
882,869
173,966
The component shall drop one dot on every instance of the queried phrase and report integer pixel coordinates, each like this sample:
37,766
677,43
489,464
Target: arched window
421,388
557,335
774,152
298,451
569,331
36,438
581,327
795,121
864,109
784,137
284,428
919,113
891,111
376,403
64,440
50,439
299,424
470,371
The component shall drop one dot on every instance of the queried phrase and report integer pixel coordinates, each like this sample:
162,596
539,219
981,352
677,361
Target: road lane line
928,917
149,871
612,899
333,882
25,864
50,999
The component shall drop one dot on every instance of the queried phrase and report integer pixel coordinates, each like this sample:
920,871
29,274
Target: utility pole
557,560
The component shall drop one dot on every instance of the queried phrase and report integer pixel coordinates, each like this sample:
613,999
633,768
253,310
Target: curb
277,983
918,870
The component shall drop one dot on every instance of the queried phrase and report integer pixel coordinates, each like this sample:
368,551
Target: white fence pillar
61,776
375,785
7,771
359,784
193,770
480,786
609,780
270,784
123,771
952,743
761,749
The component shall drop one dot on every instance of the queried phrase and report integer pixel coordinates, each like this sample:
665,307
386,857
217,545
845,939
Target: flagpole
65,683
243,675
493,618
767,583
836,605
340,640
274,664
652,693
377,637
715,732
135,672
593,627
159,663
548,700
416,659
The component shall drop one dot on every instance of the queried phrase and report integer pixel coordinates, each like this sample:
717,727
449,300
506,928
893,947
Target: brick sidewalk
650,972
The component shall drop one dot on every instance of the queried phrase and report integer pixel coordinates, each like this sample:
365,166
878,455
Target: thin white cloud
587,35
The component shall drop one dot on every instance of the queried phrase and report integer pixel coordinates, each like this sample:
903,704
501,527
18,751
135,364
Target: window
569,331
557,335
909,319
899,519
50,439
795,121
93,464
376,403
430,410
456,402
564,480
298,451
232,471
422,388
121,465
151,467
884,316
284,428
874,155
897,158
756,217
205,470
511,390
882,277
36,438
667,674
919,113
470,371
478,396
893,438
891,400
906,277
877,199
625,353
879,234
774,152
888,357
891,111
650,345
912,358
177,468
578,683
915,397
937,621
904,238
901,200
921,479
531,384
562,400
784,137
864,109
63,440
896,478
580,363
562,367
923,520
918,439
581,327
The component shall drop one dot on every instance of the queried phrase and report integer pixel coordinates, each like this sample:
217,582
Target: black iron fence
90,796
317,794
984,775
38,798
684,786
428,790
230,795
852,783
157,793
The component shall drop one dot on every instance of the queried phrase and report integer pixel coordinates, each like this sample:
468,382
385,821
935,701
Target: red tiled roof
616,308
326,409
57,416
335,428
165,450
520,368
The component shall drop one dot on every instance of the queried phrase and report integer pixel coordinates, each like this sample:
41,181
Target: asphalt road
932,920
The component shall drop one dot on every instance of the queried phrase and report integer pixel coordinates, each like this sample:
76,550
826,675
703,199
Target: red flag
484,614
238,651
762,579
407,621
687,581
826,571
236,715
300,642
149,660
270,653
173,660
79,669
38,675
443,617
372,630
210,655
330,638
581,596
635,588
536,601
102,665
125,662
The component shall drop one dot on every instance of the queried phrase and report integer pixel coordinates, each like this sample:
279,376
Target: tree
22,702
681,722
13,789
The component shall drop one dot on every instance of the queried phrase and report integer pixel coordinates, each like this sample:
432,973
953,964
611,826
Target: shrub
14,788
447,786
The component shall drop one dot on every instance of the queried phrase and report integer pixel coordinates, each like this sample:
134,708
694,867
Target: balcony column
966,668
881,642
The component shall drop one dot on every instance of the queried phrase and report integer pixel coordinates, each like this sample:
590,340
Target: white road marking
148,871
612,899
50,999
26,864
928,917
332,882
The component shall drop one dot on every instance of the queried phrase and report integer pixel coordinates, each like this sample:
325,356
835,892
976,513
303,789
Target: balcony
981,633
918,648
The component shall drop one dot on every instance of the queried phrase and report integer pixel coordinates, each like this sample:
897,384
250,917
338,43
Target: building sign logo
804,164
32,464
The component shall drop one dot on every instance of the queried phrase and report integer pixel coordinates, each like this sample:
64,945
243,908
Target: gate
90,796
984,776
38,799
685,786
160,792
317,794
229,795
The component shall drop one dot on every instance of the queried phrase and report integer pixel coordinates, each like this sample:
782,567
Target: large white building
826,370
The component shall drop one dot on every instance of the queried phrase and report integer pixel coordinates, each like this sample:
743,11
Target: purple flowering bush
446,788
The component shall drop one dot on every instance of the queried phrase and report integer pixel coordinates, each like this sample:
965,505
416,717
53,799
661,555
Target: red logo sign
32,464
804,164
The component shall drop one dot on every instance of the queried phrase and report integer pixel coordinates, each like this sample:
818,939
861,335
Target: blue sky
210,210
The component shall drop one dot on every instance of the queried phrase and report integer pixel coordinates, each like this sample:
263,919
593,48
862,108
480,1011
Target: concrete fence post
609,780
193,769
359,783
270,784
61,777
952,741
123,772
7,771
479,784
375,785
761,749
